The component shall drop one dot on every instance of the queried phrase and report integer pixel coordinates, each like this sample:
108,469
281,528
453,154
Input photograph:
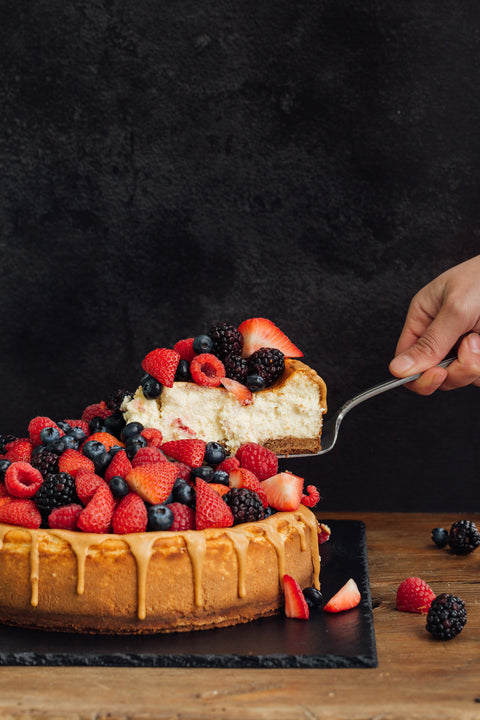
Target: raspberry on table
447,617
414,595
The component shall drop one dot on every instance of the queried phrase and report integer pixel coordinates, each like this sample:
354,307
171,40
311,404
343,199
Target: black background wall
167,165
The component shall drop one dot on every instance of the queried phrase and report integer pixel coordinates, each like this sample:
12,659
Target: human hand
444,312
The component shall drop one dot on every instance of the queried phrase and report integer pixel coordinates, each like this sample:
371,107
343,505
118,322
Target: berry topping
130,515
115,399
185,349
19,449
211,510
118,486
147,455
346,598
226,340
72,460
152,436
254,383
55,491
312,497
21,512
236,368
207,370
464,537
240,392
229,464
295,604
153,482
106,439
160,517
65,517
202,344
22,480
245,505
243,478
269,363
284,491
96,410
447,617
120,465
97,516
151,388
36,425
183,493
440,537
87,484
261,461
162,364
414,595
262,333
183,517
214,453
46,461
190,452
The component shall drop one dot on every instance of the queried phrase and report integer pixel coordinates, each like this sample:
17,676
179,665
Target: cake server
332,425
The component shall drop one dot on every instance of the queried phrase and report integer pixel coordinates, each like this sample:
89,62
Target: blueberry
101,462
4,464
97,424
183,372
118,486
151,388
214,453
255,383
440,537
114,424
269,511
93,448
49,434
59,446
70,442
183,493
160,517
204,471
77,433
220,477
133,445
202,344
114,449
63,425
131,430
313,597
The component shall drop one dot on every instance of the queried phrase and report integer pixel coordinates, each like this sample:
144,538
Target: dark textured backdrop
166,165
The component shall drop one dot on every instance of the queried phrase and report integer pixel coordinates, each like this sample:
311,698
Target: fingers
466,369
429,381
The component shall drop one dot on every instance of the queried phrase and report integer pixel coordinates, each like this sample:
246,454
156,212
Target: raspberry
162,364
36,425
259,460
185,349
22,480
245,505
55,491
97,516
70,461
96,410
65,517
19,449
183,517
269,363
414,595
447,617
226,340
311,498
147,455
82,424
183,471
464,537
130,515
229,464
21,512
152,436
206,370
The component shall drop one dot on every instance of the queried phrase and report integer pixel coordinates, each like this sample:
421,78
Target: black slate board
324,641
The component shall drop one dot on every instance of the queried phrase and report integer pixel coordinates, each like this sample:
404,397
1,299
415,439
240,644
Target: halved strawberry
190,452
243,478
153,482
238,390
107,439
97,516
346,598
71,461
260,332
210,510
295,603
284,491
162,364
120,465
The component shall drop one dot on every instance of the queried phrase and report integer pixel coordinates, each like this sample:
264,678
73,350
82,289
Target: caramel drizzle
141,546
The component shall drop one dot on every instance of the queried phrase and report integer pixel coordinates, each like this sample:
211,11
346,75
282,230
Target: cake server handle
332,425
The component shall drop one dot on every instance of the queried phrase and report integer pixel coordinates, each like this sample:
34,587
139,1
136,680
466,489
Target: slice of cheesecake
286,417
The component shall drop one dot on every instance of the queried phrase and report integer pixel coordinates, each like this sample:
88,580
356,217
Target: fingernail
401,364
474,343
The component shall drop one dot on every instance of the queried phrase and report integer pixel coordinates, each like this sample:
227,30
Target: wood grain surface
417,678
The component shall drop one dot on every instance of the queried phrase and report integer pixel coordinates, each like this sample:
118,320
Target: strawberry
414,595
211,510
284,491
37,424
97,516
71,461
153,482
207,370
106,439
162,364
130,515
22,512
189,452
261,461
146,455
243,478
183,517
243,395
311,498
221,489
295,603
65,517
346,598
82,424
152,436
185,349
120,465
19,449
95,410
86,484
229,464
22,480
260,333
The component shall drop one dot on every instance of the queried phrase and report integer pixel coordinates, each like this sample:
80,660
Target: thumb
430,348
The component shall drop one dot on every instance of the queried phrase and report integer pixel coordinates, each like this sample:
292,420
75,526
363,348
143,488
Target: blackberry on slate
56,490
464,537
236,367
226,340
446,617
46,461
245,505
269,363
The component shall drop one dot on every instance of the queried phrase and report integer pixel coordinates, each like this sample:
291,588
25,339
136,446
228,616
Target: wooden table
416,677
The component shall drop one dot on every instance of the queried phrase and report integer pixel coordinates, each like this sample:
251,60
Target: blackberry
116,398
4,440
236,368
226,340
269,363
46,461
464,537
245,505
56,490
446,617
